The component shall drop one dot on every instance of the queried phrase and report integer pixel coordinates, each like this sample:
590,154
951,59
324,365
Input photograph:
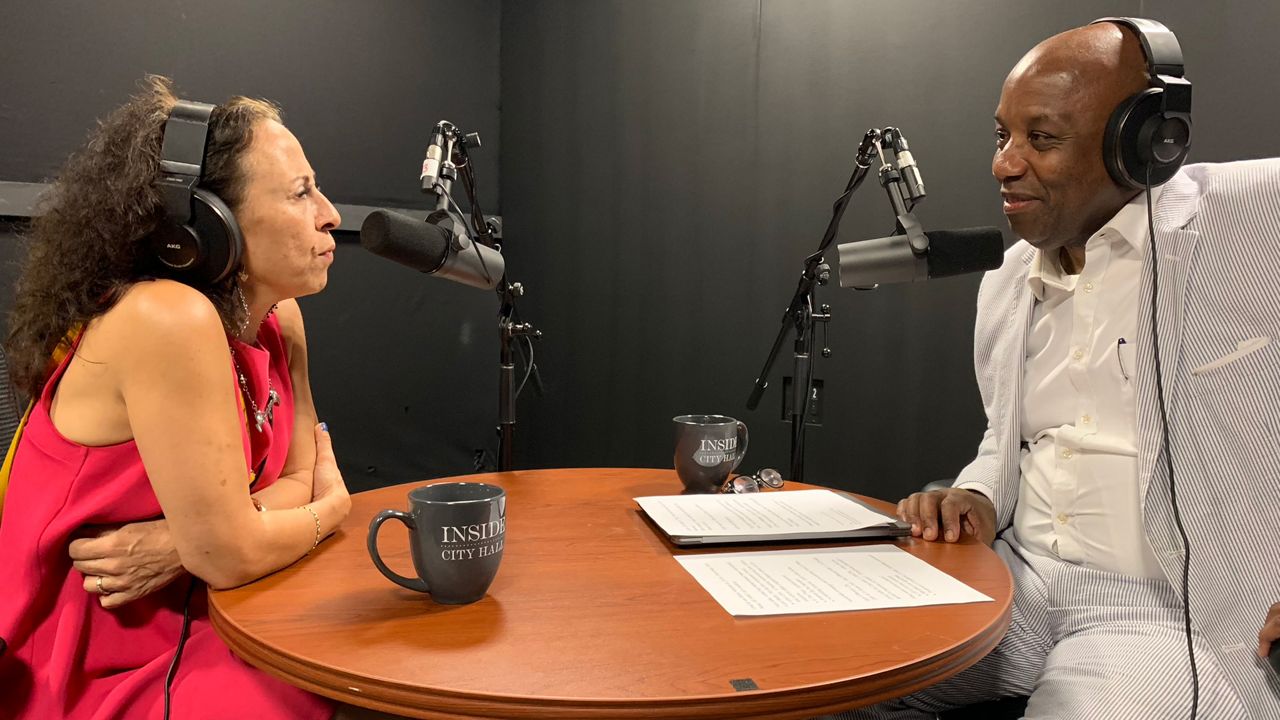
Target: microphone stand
508,330
487,232
801,316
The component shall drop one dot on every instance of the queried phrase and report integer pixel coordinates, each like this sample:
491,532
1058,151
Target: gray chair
10,416
10,404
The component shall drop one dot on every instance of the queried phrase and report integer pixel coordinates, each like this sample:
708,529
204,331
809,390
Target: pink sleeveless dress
67,657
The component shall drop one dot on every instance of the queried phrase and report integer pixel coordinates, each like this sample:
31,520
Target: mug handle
395,577
742,445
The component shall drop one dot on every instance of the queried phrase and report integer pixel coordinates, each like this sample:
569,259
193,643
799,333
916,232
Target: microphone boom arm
802,316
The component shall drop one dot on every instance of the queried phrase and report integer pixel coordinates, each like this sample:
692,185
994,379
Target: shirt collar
1129,225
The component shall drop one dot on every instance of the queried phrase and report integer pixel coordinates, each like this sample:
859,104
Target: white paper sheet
759,515
786,582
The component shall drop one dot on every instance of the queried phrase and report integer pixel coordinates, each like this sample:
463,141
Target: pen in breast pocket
1124,371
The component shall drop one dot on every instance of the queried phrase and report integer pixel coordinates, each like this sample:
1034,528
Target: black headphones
1149,133
199,242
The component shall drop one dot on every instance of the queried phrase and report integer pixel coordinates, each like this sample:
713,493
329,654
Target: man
1071,481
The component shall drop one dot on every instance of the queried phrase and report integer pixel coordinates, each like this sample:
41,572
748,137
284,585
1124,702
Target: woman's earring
243,324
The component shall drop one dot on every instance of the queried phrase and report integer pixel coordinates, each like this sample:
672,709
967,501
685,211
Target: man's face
1048,160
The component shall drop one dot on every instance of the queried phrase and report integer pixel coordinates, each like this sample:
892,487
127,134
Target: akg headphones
1150,132
199,242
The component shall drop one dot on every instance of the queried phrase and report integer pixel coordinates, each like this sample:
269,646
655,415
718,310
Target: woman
189,403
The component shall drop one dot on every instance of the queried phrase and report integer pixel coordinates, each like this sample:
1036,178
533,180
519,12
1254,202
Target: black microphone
867,263
439,246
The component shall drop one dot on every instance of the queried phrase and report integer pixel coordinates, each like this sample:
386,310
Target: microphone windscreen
400,238
956,252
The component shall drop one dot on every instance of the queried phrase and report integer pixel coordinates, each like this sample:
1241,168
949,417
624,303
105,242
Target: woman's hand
121,564
327,483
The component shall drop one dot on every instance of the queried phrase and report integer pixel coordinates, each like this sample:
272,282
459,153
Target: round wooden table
590,617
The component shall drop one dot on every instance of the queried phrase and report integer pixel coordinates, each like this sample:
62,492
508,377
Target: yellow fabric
59,354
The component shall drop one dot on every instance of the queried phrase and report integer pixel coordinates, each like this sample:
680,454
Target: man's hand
1270,632
122,564
945,514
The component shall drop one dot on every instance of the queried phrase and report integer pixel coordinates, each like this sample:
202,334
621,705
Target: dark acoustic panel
361,84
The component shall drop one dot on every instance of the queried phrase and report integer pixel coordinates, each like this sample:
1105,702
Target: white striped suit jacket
1217,232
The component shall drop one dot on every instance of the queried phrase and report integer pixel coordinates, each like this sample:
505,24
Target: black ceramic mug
708,448
456,534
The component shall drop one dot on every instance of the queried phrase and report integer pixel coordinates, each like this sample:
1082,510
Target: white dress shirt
1079,495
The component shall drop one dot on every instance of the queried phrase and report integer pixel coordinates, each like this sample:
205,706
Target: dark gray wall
667,165
404,367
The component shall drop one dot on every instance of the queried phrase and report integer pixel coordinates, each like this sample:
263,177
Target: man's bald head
1101,62
1053,113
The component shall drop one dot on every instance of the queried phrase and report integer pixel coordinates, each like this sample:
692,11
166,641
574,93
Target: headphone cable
1168,451
182,642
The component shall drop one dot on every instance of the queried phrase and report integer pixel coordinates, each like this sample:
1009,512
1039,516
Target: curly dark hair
91,241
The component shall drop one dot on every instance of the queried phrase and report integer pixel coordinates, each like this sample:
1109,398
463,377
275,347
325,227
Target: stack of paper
767,516
779,582
782,582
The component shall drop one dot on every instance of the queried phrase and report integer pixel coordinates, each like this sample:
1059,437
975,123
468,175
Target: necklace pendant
273,399
259,418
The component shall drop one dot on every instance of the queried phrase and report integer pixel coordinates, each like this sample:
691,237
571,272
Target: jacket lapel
1024,304
1175,247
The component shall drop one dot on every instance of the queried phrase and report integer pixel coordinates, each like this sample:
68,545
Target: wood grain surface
590,617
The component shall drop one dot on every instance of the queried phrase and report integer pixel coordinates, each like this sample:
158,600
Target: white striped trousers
1083,644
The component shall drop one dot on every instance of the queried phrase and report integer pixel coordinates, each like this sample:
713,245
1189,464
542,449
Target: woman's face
285,219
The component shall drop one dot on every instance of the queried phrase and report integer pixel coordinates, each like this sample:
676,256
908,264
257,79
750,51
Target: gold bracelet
317,519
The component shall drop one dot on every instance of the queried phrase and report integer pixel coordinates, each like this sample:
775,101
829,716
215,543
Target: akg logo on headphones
172,246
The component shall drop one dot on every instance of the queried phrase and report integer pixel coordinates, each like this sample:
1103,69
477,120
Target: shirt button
1088,287
1078,355
1062,518
1086,419
1066,454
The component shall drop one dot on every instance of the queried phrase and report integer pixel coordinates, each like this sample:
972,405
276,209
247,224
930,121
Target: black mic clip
898,165
895,142
867,150
438,170
455,231
908,225
445,155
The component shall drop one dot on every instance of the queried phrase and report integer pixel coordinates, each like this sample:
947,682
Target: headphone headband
182,157
1159,45
1148,135
200,243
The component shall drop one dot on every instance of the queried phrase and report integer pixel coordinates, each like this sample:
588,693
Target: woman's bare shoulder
159,313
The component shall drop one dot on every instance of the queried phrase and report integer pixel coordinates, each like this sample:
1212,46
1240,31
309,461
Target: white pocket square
1243,348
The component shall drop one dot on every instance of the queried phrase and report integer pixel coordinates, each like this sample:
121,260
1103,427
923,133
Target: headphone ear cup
219,236
176,247
1140,137
1164,142
207,249
1120,151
